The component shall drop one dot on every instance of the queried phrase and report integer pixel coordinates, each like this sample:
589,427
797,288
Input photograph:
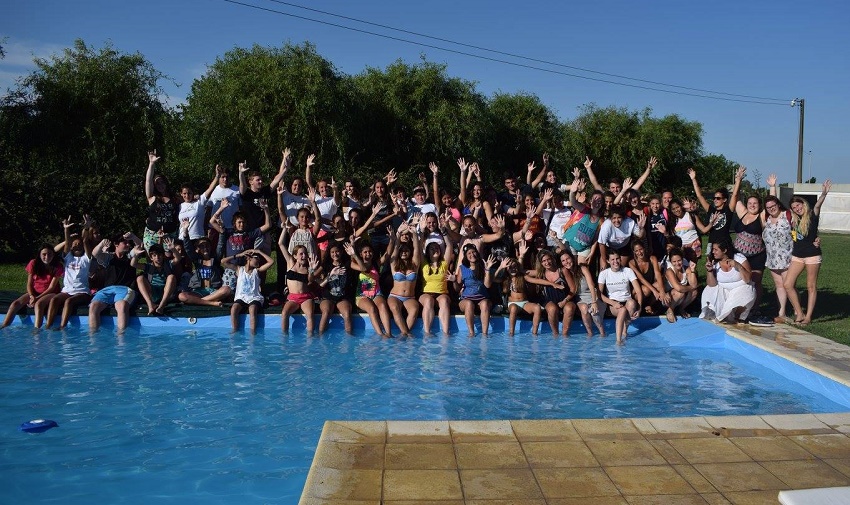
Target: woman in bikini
554,291
648,272
369,297
334,285
515,289
404,266
680,283
300,270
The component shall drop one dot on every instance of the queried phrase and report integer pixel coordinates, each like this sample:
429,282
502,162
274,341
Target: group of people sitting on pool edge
538,248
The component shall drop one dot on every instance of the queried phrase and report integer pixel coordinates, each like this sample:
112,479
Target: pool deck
694,460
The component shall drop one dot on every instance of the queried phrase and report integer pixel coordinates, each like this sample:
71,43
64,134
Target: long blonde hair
801,223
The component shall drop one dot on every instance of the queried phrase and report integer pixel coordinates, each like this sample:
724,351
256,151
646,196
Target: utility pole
800,102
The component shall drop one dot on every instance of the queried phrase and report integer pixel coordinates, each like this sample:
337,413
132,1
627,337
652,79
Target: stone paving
694,460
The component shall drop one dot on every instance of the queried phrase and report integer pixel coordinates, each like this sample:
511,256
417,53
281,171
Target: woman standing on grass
778,244
806,254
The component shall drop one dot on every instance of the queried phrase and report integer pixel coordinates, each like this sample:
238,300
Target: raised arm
627,185
243,177
149,175
287,256
463,165
368,224
702,201
267,224
736,189
317,216
826,187
588,165
574,203
436,186
771,184
215,219
285,164
66,225
269,260
213,183
653,161
308,171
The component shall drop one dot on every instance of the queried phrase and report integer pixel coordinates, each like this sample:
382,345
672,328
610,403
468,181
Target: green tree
73,136
409,115
521,129
253,102
621,141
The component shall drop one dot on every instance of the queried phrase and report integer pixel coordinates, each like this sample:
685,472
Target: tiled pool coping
735,459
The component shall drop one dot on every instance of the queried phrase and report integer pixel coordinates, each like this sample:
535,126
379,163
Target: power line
497,60
519,56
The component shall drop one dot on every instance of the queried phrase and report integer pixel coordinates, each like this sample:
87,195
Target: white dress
719,302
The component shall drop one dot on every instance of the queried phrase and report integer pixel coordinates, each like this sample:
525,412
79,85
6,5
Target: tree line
74,133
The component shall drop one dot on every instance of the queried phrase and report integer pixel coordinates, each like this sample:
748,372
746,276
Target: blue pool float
38,426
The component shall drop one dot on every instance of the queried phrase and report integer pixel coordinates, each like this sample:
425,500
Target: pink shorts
811,260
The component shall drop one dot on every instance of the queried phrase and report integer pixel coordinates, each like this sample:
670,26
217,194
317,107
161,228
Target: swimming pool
203,416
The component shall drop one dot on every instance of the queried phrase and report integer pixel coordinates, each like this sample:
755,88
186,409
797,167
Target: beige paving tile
753,497
606,429
672,499
558,454
423,502
582,500
668,452
824,446
644,427
542,430
730,477
708,450
372,432
518,501
625,452
695,479
333,484
838,422
797,424
682,427
421,485
499,484
806,474
715,499
569,483
481,431
648,480
420,456
418,432
309,500
840,464
741,426
344,456
490,455
771,448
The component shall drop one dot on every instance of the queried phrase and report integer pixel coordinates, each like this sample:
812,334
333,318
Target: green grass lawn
832,313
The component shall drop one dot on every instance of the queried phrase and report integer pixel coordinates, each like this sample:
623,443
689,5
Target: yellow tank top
434,282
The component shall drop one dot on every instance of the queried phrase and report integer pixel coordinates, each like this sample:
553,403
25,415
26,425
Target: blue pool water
203,416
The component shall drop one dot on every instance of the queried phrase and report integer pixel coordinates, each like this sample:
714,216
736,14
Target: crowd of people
540,248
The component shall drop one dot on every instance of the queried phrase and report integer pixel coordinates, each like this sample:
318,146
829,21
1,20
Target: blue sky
775,49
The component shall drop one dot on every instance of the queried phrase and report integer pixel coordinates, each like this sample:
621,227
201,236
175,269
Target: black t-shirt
720,231
163,216
804,245
254,217
119,272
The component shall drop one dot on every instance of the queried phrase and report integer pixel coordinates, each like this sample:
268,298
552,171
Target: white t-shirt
194,211
292,204
559,220
617,237
230,194
76,279
327,209
617,283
